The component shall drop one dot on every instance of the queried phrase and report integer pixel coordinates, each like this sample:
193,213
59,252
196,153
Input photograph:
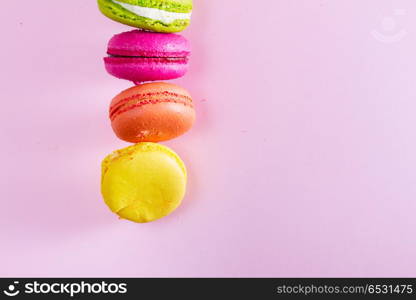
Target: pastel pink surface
301,163
147,56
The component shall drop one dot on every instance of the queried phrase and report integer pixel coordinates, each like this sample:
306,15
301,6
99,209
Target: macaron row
147,181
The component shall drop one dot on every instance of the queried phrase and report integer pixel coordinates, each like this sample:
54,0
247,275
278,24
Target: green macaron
153,15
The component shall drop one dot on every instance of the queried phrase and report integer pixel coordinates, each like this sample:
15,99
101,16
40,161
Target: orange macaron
152,112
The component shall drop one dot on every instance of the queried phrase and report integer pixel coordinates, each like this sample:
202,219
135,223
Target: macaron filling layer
123,55
160,15
155,58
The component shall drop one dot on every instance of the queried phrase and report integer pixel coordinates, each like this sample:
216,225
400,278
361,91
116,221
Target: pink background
302,162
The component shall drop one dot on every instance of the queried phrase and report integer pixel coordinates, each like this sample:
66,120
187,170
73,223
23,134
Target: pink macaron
141,56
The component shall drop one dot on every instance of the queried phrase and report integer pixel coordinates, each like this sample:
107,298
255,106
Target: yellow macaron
143,182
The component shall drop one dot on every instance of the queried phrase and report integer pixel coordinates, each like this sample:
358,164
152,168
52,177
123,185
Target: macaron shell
148,44
145,69
154,87
152,112
168,5
118,14
143,182
141,56
154,122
